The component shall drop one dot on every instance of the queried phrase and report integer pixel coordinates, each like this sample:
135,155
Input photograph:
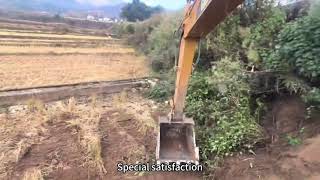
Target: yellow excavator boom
201,17
176,138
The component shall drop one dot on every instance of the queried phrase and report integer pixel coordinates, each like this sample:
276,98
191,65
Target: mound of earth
279,160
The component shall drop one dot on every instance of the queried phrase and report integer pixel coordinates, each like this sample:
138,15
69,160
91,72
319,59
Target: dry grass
87,121
133,106
18,30
24,125
27,122
33,71
36,34
64,45
20,128
33,174
62,50
8,39
81,58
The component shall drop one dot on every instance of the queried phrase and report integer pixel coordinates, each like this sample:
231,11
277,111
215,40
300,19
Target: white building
90,18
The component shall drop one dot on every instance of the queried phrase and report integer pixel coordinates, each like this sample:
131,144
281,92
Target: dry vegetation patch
76,138
44,35
34,71
32,59
62,50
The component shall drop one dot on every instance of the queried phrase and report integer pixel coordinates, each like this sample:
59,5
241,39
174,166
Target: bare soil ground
279,160
55,141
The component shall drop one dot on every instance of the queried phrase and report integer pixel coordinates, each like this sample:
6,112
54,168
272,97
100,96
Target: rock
133,90
116,114
54,162
152,83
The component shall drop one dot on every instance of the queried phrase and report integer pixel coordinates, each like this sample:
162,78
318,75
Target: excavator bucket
176,141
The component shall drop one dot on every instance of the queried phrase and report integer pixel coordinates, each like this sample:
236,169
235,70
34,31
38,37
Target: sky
168,4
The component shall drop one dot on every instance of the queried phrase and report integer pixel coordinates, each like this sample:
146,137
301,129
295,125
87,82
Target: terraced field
32,58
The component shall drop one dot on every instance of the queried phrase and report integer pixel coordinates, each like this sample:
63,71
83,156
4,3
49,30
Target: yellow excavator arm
201,17
176,138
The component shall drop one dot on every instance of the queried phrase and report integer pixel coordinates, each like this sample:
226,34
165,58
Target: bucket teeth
176,141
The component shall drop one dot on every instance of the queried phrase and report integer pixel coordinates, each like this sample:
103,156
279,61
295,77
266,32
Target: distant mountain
60,6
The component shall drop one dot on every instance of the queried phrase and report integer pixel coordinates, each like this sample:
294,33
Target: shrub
123,29
161,91
130,29
139,39
315,9
225,40
313,97
162,44
262,37
219,103
297,49
164,89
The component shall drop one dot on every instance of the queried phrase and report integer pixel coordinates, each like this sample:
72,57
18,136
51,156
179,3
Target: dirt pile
279,160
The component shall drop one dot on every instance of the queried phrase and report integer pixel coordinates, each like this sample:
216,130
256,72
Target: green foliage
138,11
293,141
142,31
130,29
225,40
123,29
315,9
293,84
162,91
219,103
296,139
297,49
162,44
313,97
254,11
262,36
155,38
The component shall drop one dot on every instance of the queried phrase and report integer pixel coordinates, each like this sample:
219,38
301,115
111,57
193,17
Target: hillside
61,6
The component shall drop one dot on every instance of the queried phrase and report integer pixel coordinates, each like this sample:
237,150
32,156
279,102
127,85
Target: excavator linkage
176,141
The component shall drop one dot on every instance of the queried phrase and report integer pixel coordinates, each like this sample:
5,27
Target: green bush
225,40
138,11
297,49
155,37
220,104
130,29
162,44
315,9
313,97
142,31
162,91
123,29
262,37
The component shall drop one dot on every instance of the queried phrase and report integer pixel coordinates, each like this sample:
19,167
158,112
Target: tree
138,11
